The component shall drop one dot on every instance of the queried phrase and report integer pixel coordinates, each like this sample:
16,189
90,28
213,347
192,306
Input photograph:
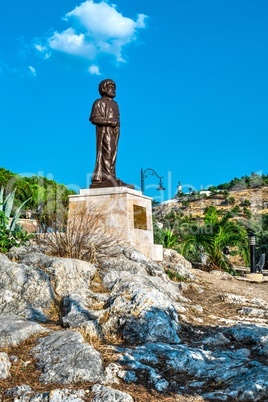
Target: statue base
123,213
110,183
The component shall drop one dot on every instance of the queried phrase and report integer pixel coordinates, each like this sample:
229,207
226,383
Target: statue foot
122,184
110,183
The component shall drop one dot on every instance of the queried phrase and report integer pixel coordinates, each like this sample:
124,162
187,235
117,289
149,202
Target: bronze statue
105,116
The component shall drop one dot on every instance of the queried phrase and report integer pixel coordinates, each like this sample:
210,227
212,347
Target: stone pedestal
123,212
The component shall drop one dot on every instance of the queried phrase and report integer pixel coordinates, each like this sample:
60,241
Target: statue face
110,90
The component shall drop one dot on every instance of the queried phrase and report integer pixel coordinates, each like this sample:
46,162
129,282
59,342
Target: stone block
122,212
254,277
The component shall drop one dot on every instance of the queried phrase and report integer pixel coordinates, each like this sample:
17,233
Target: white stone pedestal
125,213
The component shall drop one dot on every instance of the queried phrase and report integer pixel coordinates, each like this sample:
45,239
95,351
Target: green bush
11,234
15,238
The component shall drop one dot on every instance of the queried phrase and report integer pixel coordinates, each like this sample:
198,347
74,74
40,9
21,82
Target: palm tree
213,236
170,239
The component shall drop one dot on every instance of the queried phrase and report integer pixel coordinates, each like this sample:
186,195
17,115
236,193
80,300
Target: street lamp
252,244
149,171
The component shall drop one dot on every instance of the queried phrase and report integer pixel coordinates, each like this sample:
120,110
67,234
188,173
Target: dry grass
84,237
23,369
54,312
96,284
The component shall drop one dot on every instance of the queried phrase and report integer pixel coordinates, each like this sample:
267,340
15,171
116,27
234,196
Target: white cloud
33,71
94,70
95,28
43,50
70,42
103,20
40,48
141,21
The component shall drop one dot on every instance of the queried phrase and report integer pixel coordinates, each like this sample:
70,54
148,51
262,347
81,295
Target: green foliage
262,239
253,181
47,200
11,234
158,233
174,276
225,194
265,222
3,219
7,203
212,236
5,177
6,207
213,191
231,200
15,238
205,237
247,213
185,203
235,210
170,239
165,236
246,203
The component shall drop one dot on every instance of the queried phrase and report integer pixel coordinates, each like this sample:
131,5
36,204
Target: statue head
103,86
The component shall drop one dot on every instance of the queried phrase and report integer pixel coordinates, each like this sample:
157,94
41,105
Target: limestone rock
74,311
107,394
140,315
64,358
175,261
24,393
24,291
4,366
14,330
133,262
67,275
222,360
239,377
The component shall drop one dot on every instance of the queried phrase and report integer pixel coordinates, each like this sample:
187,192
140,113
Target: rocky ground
122,331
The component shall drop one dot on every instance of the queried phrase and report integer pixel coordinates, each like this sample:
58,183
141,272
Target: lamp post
252,244
149,171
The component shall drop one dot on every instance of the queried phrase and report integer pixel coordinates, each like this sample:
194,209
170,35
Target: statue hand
113,123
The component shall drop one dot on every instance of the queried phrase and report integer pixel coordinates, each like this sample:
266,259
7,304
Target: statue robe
103,111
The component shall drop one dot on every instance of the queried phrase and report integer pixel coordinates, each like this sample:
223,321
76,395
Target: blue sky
192,87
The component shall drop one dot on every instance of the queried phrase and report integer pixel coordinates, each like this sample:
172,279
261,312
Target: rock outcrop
102,333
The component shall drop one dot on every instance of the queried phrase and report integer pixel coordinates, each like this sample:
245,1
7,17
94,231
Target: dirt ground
214,285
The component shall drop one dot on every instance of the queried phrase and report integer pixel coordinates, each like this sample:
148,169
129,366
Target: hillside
253,199
183,217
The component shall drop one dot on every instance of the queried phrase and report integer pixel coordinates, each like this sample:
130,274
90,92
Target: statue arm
98,115
100,121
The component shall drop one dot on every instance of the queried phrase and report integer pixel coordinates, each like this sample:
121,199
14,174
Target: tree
231,200
45,195
247,213
213,236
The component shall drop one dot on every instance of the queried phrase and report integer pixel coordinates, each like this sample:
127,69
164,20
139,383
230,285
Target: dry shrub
85,237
